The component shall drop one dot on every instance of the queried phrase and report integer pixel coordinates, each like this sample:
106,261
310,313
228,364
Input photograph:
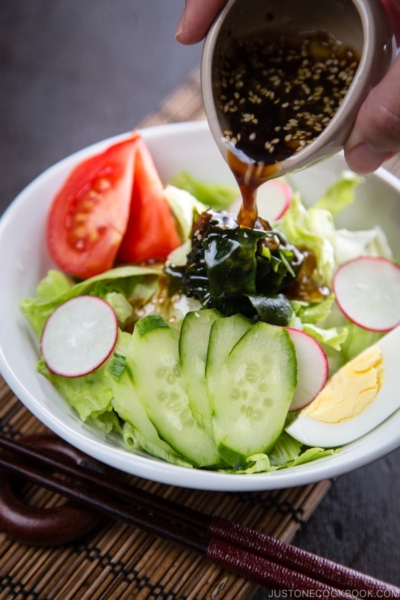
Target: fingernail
180,26
364,158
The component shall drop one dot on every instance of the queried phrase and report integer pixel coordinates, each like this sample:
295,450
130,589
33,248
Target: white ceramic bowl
24,261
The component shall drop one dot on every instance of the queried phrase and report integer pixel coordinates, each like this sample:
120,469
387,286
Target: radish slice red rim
312,369
273,199
79,336
367,291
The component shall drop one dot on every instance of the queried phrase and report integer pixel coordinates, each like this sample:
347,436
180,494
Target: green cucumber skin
127,405
232,457
154,360
255,389
193,347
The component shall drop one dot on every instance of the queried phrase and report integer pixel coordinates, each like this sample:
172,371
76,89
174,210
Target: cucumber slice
154,357
256,386
224,335
135,440
193,346
127,405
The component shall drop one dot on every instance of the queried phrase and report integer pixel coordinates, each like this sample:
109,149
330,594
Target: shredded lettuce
121,280
286,453
310,312
116,366
333,337
312,317
340,194
122,308
314,228
309,455
213,195
178,257
311,229
53,285
184,207
91,395
258,463
352,244
286,449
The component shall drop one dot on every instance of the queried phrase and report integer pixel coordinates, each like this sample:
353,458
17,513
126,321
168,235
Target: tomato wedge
89,215
151,233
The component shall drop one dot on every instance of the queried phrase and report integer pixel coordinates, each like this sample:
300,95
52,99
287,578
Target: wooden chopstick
245,551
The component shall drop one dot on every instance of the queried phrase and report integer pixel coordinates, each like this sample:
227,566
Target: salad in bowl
174,344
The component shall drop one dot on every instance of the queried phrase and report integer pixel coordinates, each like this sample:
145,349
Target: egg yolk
349,392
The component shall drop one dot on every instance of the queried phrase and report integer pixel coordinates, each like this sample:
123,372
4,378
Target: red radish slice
273,200
312,368
367,291
79,336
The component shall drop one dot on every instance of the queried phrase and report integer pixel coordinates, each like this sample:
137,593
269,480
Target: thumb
196,20
376,134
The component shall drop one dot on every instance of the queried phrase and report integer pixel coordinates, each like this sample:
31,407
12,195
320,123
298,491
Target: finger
376,133
196,20
393,10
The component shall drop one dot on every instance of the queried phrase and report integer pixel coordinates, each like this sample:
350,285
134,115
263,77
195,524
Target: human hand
376,133
196,20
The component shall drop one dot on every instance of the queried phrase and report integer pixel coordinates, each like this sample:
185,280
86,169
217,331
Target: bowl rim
154,469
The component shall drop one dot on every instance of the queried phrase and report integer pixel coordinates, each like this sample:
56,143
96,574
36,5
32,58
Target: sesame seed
309,90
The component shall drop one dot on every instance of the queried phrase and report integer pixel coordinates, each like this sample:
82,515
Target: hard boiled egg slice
360,396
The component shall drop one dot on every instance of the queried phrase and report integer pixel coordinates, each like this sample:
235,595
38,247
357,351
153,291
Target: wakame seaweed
237,269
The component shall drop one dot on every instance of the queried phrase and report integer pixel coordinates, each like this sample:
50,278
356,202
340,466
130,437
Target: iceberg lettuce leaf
91,395
184,207
122,308
312,312
53,285
214,195
333,337
352,244
122,280
340,194
312,230
309,455
286,449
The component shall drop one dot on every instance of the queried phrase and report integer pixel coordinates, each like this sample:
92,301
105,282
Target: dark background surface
76,71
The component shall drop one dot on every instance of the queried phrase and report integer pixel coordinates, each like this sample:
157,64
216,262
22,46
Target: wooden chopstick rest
46,526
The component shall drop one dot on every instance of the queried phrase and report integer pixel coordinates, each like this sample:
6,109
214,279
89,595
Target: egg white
312,432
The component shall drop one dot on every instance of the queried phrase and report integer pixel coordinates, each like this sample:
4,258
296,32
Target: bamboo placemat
118,562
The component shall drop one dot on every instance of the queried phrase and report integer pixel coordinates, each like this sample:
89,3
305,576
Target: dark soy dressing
275,95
